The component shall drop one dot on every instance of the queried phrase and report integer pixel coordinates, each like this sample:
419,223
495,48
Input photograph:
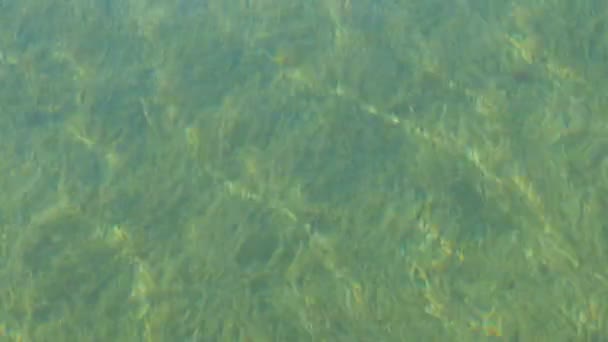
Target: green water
325,170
